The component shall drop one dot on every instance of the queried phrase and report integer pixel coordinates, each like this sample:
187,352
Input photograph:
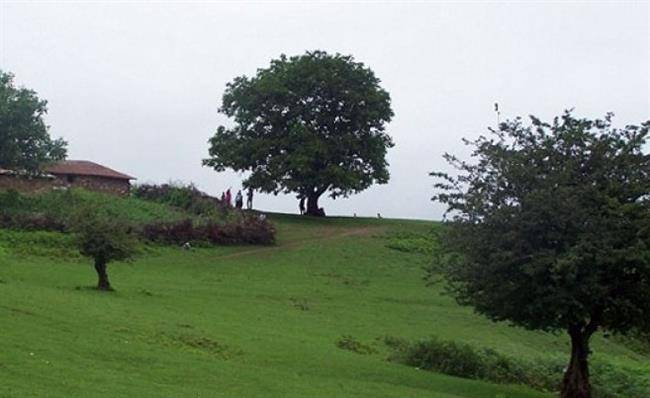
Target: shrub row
31,222
186,197
463,360
57,211
246,230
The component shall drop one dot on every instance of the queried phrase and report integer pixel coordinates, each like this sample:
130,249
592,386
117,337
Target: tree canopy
307,124
104,238
549,229
25,142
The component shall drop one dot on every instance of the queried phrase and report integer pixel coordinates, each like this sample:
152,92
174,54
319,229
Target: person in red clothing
228,197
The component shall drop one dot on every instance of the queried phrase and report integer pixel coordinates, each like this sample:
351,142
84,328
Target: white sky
136,85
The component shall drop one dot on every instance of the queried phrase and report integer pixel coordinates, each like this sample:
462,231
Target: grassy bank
249,321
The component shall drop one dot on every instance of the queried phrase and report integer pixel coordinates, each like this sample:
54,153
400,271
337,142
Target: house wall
37,185
93,183
27,184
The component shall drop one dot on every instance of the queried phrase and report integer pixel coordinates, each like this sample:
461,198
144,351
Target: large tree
308,124
25,142
549,229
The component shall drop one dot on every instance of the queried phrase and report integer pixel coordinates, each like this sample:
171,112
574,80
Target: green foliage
612,381
186,197
10,199
102,236
637,341
131,210
37,243
561,212
307,124
25,142
58,207
465,360
163,333
550,230
159,222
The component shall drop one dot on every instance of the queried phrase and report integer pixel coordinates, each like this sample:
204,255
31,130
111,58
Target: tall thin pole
496,109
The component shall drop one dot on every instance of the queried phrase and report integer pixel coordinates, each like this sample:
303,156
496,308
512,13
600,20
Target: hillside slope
246,321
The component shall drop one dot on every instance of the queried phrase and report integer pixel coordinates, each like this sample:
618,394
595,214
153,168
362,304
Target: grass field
245,321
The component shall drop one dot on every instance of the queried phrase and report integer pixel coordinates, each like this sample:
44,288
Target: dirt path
362,231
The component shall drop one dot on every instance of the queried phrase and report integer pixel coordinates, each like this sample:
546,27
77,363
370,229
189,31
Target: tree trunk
576,378
103,283
312,205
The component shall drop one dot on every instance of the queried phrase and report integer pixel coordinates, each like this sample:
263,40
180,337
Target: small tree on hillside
550,230
104,240
308,124
25,142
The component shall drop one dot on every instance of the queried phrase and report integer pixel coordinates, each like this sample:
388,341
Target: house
68,174
89,175
26,182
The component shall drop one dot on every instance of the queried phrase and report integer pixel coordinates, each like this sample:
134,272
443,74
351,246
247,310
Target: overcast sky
136,85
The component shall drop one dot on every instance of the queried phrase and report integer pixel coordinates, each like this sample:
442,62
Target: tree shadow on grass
94,288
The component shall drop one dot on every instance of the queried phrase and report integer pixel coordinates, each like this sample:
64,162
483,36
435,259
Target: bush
246,230
186,197
637,341
463,360
609,381
252,230
54,211
21,212
31,222
177,232
104,239
11,199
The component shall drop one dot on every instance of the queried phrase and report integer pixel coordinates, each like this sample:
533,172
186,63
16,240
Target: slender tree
308,124
549,229
25,142
104,239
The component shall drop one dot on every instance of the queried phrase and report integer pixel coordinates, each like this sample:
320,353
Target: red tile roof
84,168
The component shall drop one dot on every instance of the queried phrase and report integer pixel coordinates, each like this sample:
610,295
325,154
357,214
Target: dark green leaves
551,224
25,142
306,124
103,236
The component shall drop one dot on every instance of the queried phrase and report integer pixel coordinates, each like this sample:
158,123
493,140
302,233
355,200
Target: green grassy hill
246,321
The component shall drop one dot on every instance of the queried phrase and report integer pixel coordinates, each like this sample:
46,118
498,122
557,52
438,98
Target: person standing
228,197
301,205
239,200
249,199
